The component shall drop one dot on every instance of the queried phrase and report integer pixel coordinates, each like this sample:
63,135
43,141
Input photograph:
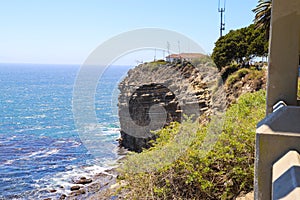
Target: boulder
75,187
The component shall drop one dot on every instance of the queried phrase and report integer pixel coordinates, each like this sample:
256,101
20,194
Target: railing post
277,134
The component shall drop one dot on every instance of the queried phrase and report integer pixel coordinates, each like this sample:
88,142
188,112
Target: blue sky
67,31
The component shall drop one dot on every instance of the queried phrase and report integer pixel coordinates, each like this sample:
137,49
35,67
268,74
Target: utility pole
222,15
168,47
179,50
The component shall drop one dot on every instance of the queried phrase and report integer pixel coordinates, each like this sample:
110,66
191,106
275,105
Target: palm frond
263,15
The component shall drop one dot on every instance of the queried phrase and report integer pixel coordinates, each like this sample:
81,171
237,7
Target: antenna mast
222,13
168,47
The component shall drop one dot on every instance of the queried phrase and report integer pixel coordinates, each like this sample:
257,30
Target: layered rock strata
154,94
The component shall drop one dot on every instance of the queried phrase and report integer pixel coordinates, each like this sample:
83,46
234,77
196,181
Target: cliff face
155,94
244,81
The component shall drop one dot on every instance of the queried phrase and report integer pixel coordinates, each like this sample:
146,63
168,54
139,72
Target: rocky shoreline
92,185
85,187
171,86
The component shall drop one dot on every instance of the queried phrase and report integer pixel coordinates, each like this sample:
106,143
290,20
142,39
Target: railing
285,177
277,161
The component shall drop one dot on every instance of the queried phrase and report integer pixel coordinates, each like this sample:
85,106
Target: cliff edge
154,94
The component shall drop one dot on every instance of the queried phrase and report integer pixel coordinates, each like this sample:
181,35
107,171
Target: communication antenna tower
221,10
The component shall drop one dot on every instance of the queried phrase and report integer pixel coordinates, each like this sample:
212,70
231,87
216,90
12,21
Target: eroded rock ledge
157,93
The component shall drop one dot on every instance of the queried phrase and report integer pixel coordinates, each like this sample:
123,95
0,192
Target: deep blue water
39,144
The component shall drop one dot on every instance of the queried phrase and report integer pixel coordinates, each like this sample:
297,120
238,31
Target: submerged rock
83,180
62,197
78,192
75,187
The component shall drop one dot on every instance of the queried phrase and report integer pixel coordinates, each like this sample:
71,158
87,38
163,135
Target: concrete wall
276,135
279,132
284,53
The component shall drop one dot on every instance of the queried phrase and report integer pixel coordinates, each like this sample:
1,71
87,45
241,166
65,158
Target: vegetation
237,76
206,61
188,161
263,15
215,160
154,65
228,70
159,62
247,74
240,46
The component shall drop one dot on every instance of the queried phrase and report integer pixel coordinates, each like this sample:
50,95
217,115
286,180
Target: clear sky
67,31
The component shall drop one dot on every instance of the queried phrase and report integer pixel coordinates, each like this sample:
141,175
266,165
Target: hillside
213,159
157,93
154,94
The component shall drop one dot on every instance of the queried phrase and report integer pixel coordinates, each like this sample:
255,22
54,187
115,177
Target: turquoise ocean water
40,147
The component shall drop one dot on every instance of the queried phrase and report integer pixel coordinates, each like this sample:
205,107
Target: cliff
154,94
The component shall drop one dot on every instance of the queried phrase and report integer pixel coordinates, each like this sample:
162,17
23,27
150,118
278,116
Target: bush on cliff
240,46
205,61
193,169
154,65
236,76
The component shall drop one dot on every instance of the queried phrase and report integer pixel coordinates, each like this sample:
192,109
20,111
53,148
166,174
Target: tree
240,46
228,48
263,15
259,44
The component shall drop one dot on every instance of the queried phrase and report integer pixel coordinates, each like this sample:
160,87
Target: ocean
40,147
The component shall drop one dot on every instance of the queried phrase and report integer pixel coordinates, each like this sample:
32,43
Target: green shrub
226,71
197,170
154,65
255,76
236,76
205,61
